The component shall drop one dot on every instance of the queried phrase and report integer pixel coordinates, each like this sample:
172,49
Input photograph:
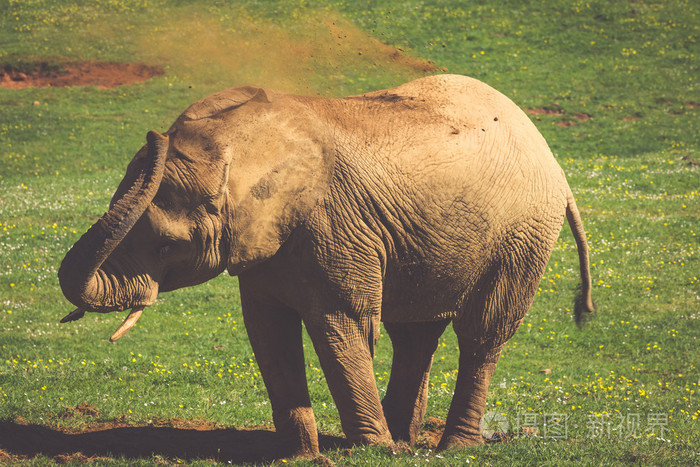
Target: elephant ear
222,103
276,159
281,166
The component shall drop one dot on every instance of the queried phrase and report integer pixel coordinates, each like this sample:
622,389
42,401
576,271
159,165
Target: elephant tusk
128,323
73,315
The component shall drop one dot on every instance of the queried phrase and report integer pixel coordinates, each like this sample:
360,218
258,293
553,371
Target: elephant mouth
128,323
137,305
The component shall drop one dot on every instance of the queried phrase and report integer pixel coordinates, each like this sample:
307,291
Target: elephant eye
164,250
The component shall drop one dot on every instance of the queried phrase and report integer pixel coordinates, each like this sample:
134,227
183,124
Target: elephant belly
425,291
418,307
430,270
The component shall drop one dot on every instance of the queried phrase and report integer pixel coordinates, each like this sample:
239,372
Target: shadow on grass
144,442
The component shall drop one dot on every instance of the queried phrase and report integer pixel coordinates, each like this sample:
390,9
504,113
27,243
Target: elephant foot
297,430
300,453
323,461
402,430
372,439
458,442
293,449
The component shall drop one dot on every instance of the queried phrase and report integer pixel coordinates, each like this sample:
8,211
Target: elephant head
222,189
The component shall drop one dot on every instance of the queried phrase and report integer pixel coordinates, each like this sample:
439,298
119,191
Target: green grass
631,67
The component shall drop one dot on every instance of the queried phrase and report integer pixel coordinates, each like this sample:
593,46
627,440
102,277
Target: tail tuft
584,308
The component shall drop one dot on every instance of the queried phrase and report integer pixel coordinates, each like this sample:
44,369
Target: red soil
101,74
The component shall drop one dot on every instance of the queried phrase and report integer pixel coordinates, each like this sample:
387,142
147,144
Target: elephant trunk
80,277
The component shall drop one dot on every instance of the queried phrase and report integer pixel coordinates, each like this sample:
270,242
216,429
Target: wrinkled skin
434,202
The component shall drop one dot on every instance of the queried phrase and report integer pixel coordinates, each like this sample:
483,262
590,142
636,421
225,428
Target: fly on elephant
432,203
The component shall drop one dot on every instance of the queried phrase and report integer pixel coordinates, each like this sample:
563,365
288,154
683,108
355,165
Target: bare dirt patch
680,107
82,409
557,112
66,74
4,457
545,111
689,160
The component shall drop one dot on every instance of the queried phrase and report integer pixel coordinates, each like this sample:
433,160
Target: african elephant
434,202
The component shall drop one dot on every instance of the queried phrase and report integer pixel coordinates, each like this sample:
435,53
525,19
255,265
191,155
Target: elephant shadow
144,442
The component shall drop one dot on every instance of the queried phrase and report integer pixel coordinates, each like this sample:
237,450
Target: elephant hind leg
490,316
478,356
407,394
477,363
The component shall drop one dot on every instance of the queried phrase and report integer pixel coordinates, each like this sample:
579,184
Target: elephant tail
584,305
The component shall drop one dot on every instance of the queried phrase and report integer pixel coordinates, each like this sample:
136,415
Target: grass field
613,87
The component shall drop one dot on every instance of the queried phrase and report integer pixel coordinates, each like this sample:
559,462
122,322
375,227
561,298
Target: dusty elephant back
447,130
448,141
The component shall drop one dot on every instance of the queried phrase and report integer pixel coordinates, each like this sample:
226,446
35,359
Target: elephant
431,203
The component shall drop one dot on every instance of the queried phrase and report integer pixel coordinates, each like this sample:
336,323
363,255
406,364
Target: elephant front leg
407,394
276,337
345,349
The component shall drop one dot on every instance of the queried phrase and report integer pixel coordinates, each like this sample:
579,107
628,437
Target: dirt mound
545,111
555,111
61,74
429,437
82,409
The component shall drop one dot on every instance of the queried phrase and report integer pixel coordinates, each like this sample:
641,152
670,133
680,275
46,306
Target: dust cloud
320,53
